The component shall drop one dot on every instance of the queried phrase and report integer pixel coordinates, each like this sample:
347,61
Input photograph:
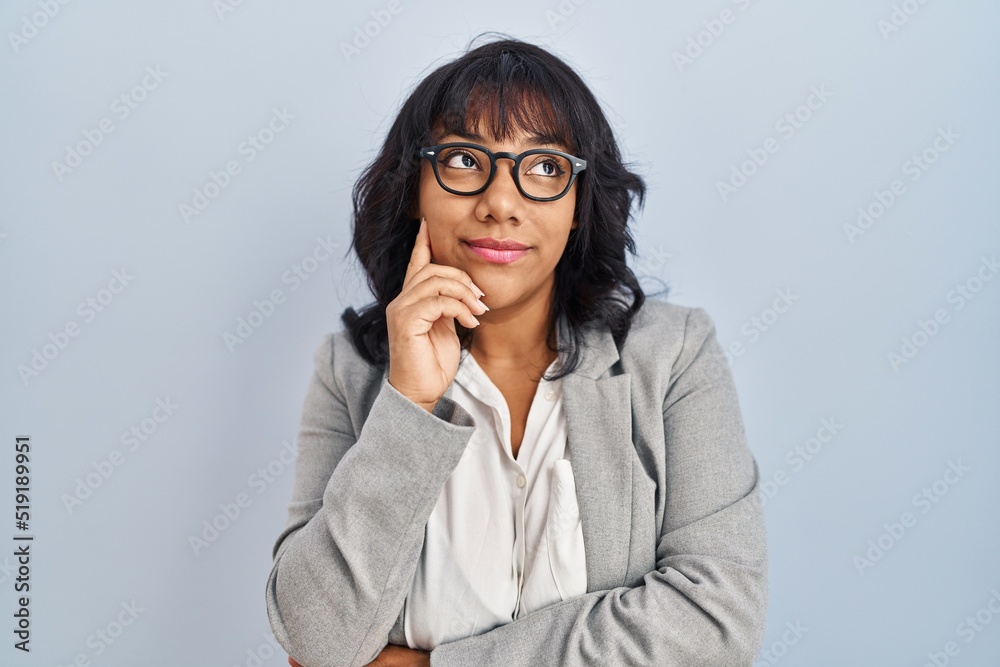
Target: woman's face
500,212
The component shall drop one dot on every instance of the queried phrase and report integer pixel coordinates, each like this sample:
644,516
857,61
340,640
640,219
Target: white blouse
505,537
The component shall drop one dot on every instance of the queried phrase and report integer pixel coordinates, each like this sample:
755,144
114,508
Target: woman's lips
497,256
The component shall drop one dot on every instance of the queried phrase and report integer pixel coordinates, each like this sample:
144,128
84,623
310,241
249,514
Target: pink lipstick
497,251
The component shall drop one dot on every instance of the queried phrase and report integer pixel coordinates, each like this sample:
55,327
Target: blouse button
550,396
521,481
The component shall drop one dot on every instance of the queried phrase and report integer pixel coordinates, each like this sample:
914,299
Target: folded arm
705,603
345,560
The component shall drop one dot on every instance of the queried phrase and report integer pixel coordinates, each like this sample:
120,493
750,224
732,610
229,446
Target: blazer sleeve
705,603
344,562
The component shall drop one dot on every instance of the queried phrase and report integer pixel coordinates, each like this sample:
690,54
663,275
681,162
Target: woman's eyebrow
536,139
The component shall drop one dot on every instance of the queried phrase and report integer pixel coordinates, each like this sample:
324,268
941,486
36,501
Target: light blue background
684,127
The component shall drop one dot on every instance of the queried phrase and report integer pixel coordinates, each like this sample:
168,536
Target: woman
503,460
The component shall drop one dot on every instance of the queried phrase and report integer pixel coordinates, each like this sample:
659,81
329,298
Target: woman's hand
401,656
424,350
393,656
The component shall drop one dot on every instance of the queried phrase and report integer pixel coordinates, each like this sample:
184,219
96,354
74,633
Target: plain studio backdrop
174,227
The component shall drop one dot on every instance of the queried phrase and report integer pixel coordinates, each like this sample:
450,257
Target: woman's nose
503,186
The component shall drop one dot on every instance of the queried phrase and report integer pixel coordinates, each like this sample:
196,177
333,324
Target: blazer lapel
598,415
599,439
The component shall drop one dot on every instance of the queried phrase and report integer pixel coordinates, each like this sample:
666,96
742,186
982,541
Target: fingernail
475,320
480,302
476,288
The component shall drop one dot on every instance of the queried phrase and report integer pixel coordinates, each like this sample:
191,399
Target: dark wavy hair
507,85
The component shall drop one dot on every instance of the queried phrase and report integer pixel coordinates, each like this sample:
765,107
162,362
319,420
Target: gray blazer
673,526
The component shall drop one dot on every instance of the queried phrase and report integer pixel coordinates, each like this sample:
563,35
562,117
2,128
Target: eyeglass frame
431,153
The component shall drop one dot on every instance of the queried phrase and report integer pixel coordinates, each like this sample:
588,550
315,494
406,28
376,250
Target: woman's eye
460,161
547,167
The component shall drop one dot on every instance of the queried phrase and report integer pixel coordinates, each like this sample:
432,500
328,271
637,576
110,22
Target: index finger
421,255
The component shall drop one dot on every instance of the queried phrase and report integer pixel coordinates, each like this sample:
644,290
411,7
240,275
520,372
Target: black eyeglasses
541,174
